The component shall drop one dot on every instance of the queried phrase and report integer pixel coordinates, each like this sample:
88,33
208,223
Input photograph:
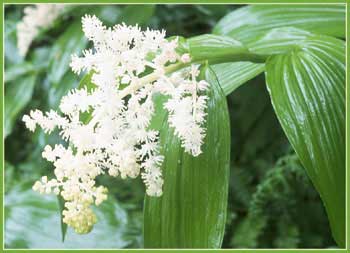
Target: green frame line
346,2
179,1
347,136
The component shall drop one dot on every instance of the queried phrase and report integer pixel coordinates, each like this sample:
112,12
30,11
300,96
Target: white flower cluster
186,109
117,139
35,18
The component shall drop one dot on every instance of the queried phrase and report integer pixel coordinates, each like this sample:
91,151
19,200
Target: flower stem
255,58
151,78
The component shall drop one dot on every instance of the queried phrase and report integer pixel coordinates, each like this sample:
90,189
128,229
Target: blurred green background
272,204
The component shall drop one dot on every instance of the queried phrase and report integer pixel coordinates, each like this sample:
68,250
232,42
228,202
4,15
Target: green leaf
218,49
17,95
17,70
248,23
274,41
12,55
57,90
86,82
284,39
191,213
255,26
233,75
38,57
208,46
60,76
64,226
159,111
32,221
307,88
136,14
70,42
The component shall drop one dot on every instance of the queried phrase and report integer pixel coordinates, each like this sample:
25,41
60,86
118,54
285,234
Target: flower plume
117,139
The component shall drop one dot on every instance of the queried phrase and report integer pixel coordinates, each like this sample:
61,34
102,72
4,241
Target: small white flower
185,58
29,122
48,154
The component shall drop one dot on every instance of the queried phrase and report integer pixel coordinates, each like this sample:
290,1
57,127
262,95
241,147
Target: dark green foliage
273,209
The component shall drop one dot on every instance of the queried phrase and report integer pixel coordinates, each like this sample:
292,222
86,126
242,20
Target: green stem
151,78
256,58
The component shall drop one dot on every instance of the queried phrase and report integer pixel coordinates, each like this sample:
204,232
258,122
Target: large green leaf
209,46
307,88
248,23
191,213
272,30
32,221
159,111
233,75
17,95
219,49
285,39
223,49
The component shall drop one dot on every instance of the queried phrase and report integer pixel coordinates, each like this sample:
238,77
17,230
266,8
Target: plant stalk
255,58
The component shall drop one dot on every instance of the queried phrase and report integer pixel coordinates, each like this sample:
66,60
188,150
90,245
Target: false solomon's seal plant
116,139
155,107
